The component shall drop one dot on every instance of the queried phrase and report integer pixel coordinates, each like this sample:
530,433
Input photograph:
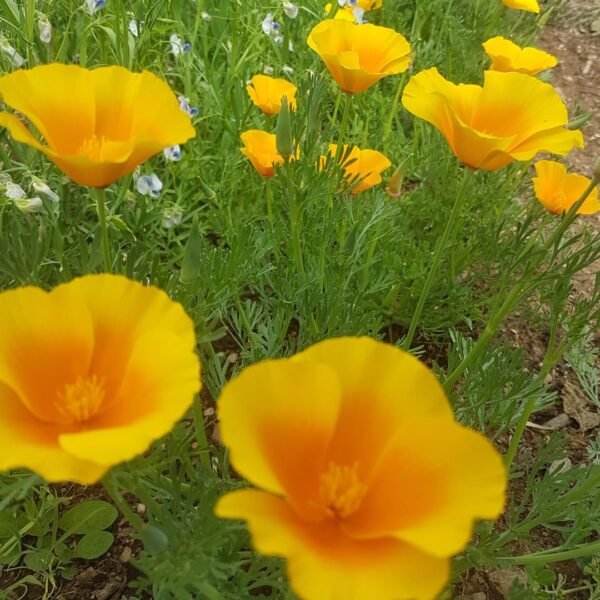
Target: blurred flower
507,56
358,56
172,153
512,117
41,187
205,16
135,26
30,205
267,92
91,374
527,5
290,9
362,168
99,124
172,217
287,70
558,191
6,48
270,26
149,185
260,148
44,29
368,486
184,105
94,6
268,70
13,191
177,46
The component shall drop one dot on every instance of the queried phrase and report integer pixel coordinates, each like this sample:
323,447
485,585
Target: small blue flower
149,185
184,105
172,153
94,6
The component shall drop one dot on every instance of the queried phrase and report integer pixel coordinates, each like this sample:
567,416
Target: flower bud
597,170
284,136
579,122
192,256
394,188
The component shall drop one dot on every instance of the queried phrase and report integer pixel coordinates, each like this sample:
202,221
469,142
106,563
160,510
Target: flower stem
269,195
441,247
111,485
387,129
543,558
201,438
101,203
344,126
515,294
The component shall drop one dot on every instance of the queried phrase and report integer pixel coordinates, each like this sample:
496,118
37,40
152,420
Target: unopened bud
579,122
192,256
284,137
597,169
394,188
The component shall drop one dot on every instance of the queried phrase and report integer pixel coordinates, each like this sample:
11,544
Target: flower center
80,401
341,490
559,199
92,147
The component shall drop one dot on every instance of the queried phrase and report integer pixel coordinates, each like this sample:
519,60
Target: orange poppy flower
260,148
507,56
98,125
267,93
526,5
362,168
512,117
357,492
558,191
91,374
358,56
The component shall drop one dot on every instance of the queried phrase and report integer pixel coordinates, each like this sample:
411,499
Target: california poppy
91,373
98,125
558,190
267,93
526,5
512,117
356,490
362,168
507,56
260,148
358,56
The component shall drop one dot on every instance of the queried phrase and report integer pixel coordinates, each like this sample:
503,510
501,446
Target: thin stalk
441,248
543,558
112,487
343,128
269,195
101,204
515,294
387,129
201,438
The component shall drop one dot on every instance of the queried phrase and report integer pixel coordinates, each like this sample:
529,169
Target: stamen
81,400
341,490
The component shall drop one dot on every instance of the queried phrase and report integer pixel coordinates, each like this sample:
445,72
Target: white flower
290,9
172,153
149,185
135,26
359,15
30,205
270,26
16,59
41,187
184,105
45,29
94,6
268,70
205,16
13,191
288,70
278,38
172,217
177,46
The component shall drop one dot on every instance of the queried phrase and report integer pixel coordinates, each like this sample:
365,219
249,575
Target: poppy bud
192,256
284,136
394,188
579,122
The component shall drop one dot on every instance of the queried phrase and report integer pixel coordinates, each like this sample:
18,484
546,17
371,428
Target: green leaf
9,526
39,560
155,540
89,516
93,545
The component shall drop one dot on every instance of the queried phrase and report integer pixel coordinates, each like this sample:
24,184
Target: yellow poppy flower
507,56
558,191
361,166
512,117
260,148
357,491
526,5
358,56
98,125
267,92
91,374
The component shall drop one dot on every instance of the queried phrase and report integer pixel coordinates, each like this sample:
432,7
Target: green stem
394,109
515,294
543,558
344,126
441,248
201,438
111,485
101,203
269,195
